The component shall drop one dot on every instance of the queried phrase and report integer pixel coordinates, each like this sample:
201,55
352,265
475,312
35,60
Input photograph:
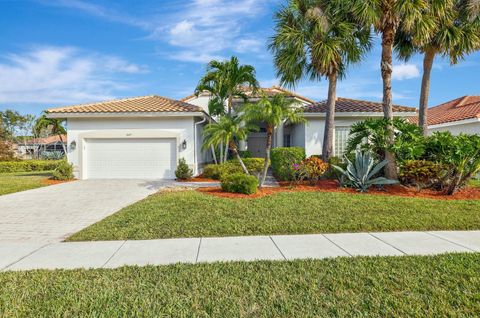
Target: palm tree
227,130
53,125
273,111
317,39
227,79
456,34
386,16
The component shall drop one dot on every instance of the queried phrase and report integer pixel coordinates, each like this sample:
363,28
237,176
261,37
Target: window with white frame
341,138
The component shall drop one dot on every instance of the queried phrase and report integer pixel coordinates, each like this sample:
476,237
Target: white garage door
130,158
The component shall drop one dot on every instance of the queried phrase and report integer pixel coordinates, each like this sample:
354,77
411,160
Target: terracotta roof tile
269,91
344,105
466,107
143,104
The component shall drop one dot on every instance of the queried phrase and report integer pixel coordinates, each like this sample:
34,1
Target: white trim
360,114
120,134
455,123
126,114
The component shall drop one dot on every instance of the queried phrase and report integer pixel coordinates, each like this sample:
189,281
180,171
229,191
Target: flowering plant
311,168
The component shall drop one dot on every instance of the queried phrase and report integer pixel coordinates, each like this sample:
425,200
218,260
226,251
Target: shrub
460,156
283,161
216,171
245,154
333,173
183,171
29,165
311,168
64,171
240,183
52,155
422,173
360,174
6,152
254,165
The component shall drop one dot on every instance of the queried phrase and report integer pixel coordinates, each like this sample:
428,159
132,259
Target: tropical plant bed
467,193
200,178
410,286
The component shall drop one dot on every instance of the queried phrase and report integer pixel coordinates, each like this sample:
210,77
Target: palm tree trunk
267,155
213,154
234,149
386,70
221,152
225,157
327,150
229,105
428,59
63,145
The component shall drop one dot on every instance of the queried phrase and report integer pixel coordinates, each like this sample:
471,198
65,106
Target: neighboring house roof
47,140
146,104
347,105
269,91
466,107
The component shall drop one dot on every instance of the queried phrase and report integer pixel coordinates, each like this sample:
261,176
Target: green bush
183,171
28,165
422,173
240,183
215,171
52,155
245,154
64,171
283,161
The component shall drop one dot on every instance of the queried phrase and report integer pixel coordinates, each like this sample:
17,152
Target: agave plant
360,173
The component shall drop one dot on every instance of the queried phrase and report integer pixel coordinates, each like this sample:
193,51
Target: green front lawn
21,181
412,286
194,214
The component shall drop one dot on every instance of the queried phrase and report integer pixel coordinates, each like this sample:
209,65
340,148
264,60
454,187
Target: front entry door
257,142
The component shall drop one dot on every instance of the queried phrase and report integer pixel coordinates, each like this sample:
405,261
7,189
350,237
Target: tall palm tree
53,125
227,130
227,79
456,33
273,111
385,16
318,39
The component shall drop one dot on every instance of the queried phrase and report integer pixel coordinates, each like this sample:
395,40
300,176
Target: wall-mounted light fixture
73,145
184,144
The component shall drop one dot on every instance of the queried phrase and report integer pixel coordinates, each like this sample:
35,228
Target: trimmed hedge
215,171
64,171
283,159
240,183
28,165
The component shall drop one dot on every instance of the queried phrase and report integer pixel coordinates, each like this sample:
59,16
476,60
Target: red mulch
469,193
200,179
52,182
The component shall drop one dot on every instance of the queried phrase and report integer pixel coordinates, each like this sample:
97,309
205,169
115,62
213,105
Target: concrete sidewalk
111,254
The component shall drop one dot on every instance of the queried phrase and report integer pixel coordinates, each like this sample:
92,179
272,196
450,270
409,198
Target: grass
412,286
194,214
474,183
21,181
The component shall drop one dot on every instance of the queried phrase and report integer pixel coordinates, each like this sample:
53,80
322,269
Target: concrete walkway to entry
111,254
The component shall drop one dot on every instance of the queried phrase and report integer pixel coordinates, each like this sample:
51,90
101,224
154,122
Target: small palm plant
360,173
227,130
273,111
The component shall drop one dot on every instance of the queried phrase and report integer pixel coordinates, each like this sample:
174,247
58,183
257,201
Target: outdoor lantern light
73,145
184,144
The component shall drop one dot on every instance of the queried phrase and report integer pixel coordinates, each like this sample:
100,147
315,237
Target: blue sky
62,52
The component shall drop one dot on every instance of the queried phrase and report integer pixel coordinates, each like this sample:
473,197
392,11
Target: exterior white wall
298,135
201,101
466,128
181,127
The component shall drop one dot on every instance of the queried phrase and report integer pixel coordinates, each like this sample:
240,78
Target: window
341,138
286,140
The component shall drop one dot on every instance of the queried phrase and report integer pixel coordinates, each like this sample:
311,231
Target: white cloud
61,75
405,71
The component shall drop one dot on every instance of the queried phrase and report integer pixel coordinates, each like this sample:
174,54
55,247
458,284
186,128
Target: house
143,137
310,134
36,147
461,115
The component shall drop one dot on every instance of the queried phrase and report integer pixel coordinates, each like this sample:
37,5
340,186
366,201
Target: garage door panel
131,158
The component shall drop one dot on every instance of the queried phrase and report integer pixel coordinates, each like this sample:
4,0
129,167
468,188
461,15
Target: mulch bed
468,193
199,179
52,181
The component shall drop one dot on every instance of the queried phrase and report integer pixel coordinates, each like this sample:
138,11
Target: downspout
195,143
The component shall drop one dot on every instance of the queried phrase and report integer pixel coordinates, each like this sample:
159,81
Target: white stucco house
144,137
461,115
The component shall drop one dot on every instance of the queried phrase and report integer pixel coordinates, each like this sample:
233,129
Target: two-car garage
121,158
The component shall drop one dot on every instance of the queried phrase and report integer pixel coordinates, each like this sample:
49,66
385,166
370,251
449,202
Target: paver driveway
52,213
